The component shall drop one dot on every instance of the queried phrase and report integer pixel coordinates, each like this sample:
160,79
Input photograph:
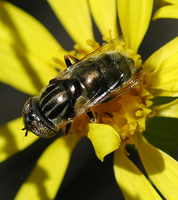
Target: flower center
127,114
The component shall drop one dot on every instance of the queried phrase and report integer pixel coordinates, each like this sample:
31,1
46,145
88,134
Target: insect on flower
98,77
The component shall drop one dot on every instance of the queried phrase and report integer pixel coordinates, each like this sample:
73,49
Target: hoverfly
98,77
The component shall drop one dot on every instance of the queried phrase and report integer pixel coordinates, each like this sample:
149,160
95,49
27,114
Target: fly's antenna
26,132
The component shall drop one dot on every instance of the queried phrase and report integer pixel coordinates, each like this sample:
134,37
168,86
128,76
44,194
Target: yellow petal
12,139
172,1
161,168
134,18
156,59
27,50
165,78
47,175
26,73
104,14
75,17
164,93
104,138
27,33
130,179
170,11
167,110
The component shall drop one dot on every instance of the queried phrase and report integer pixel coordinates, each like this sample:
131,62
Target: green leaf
162,133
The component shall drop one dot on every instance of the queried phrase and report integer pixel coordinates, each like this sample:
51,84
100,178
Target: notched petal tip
104,138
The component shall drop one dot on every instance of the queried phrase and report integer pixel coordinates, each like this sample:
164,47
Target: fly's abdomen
116,69
103,74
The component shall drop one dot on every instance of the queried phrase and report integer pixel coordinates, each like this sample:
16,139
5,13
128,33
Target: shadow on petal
37,185
20,49
12,139
150,156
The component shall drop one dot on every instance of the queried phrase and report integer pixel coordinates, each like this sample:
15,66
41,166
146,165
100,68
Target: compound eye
29,118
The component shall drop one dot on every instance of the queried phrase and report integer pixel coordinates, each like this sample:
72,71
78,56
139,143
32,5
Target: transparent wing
111,93
107,47
110,46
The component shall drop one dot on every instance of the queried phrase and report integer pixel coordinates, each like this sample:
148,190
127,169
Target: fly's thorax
57,100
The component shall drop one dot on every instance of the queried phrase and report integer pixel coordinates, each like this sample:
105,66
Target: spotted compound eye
29,118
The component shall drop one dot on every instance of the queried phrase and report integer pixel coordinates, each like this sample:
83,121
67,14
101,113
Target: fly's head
35,122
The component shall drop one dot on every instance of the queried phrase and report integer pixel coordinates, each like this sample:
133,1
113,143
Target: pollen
127,114
139,113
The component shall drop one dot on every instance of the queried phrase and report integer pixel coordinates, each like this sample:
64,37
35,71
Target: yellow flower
170,10
29,56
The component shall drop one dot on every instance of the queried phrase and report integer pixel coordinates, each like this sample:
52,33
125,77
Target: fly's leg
68,126
91,116
67,60
92,119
